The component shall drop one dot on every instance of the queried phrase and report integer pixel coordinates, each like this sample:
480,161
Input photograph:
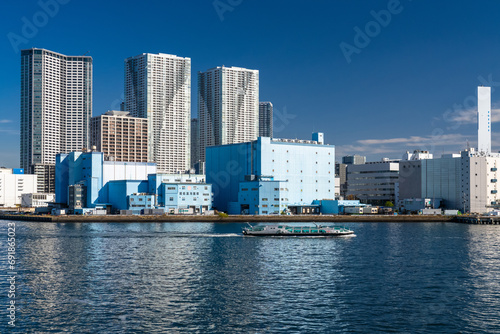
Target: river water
208,278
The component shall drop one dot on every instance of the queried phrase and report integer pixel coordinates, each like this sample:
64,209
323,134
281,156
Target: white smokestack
484,119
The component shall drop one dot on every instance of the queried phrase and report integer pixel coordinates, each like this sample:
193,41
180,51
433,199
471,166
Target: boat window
314,231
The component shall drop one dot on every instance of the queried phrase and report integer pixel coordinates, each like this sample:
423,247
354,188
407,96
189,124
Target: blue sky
410,83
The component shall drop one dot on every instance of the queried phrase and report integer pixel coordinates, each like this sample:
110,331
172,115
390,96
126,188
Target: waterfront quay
233,218
479,220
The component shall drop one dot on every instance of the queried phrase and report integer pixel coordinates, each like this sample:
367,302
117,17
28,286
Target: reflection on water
199,277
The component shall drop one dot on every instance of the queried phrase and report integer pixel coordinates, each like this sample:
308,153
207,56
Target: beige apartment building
120,137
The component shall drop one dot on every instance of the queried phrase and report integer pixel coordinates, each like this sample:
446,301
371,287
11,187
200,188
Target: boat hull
296,235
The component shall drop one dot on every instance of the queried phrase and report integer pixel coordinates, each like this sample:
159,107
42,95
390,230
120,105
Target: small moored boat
286,230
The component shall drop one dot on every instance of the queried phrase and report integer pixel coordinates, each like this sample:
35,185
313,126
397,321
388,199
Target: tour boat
286,230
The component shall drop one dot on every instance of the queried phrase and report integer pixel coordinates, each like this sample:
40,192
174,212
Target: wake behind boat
285,230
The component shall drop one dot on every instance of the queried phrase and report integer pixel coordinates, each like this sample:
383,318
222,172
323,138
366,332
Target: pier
479,220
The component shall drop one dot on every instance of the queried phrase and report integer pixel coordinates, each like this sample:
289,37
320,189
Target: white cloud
395,147
5,121
449,139
469,116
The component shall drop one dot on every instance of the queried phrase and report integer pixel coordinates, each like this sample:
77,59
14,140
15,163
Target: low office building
138,202
185,198
414,205
335,207
307,167
13,184
373,182
156,183
341,172
36,200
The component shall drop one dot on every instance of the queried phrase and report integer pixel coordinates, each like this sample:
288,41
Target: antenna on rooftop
85,53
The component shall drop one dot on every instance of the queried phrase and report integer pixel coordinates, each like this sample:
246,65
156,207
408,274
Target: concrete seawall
232,219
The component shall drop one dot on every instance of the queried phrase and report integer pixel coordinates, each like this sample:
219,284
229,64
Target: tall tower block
484,119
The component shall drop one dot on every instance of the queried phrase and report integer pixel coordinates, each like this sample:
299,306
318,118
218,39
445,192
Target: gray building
265,119
354,159
45,177
195,142
374,182
341,171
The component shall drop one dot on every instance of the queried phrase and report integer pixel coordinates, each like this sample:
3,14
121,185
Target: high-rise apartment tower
265,119
56,105
228,106
158,87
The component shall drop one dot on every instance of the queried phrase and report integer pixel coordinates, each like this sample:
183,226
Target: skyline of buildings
228,106
158,88
56,104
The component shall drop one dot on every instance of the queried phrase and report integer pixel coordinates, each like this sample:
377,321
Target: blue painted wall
309,169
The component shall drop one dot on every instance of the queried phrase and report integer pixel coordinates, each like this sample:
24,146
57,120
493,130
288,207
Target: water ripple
208,278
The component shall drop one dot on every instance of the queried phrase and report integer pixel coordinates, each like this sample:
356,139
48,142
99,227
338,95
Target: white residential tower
228,106
158,87
56,105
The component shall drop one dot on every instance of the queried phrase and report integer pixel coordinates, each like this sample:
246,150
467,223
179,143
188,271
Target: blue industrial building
80,168
186,197
306,167
138,202
119,192
336,207
261,197
85,180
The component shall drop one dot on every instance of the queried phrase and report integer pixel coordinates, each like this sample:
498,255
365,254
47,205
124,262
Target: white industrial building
158,87
37,200
13,186
479,186
467,181
228,106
